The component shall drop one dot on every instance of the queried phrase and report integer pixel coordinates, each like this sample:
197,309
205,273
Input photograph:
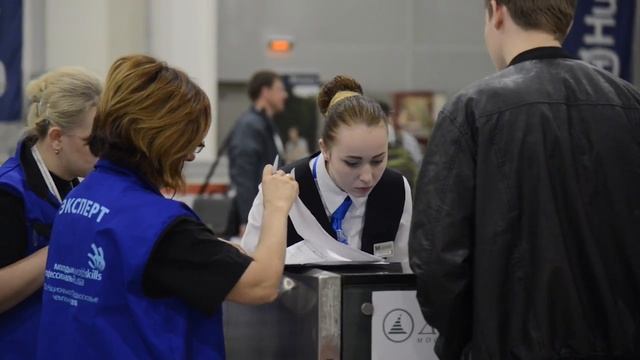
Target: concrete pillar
93,33
183,33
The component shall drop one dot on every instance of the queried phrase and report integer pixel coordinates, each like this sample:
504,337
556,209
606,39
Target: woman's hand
279,190
261,281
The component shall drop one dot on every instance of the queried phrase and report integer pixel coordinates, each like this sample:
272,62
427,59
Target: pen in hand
275,164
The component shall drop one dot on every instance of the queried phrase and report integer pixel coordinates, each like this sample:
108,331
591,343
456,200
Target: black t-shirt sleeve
190,263
13,242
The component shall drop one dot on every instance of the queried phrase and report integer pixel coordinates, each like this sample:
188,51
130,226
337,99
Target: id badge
383,249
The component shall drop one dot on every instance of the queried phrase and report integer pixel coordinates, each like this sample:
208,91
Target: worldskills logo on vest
96,259
78,276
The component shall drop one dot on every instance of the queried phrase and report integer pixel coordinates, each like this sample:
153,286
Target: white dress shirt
332,196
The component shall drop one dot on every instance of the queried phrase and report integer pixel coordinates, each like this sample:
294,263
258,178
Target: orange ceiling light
280,45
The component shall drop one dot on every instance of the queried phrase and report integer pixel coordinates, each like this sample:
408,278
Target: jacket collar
539,53
262,113
269,121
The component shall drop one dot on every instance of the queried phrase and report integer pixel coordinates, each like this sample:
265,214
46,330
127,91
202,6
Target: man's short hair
552,16
259,80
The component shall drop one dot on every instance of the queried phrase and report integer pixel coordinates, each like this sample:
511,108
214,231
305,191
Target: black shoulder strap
383,211
308,193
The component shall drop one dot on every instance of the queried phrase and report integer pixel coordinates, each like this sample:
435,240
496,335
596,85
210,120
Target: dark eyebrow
352,157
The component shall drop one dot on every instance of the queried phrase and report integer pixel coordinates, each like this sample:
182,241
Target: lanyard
315,168
339,214
45,173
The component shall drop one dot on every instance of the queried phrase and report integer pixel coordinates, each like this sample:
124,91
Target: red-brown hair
151,117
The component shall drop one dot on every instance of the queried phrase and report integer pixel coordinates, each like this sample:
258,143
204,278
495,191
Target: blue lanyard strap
339,214
315,168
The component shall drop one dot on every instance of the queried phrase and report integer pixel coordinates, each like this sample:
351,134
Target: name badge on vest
383,249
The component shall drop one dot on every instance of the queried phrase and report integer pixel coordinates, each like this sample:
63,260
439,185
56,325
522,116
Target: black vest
382,213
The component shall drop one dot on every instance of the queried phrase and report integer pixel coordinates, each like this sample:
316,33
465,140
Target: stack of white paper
318,246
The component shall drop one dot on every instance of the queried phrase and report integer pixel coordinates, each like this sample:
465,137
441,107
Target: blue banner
10,59
602,35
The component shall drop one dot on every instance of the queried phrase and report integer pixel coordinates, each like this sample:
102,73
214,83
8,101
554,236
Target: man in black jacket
526,229
254,143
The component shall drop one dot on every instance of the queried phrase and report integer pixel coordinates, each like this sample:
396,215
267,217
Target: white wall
33,45
76,33
448,45
93,33
388,45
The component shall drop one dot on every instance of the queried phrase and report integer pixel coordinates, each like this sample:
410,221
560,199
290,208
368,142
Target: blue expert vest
93,304
19,325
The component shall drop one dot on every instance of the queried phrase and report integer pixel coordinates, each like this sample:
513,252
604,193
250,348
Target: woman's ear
54,136
324,149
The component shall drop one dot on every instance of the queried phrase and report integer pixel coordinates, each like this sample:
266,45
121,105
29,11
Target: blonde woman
33,183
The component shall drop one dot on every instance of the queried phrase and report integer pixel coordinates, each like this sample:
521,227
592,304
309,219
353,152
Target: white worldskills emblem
96,260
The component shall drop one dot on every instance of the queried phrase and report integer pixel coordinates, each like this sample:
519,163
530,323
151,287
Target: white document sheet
318,246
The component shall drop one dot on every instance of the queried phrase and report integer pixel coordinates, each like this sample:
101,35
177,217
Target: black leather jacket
526,225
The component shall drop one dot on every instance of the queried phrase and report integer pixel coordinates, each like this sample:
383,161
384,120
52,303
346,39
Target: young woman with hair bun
346,186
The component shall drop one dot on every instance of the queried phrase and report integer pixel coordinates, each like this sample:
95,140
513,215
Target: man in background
404,153
526,228
254,143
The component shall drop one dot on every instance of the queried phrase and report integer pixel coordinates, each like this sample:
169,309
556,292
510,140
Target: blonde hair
151,118
59,97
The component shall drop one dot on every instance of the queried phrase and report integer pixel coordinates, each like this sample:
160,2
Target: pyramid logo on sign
397,327
427,330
